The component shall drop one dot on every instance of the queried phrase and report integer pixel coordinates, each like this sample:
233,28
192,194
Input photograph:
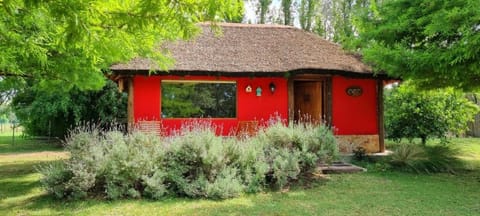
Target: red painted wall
147,101
146,98
350,115
354,115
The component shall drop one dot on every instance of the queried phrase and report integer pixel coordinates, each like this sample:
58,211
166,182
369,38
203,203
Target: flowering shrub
193,163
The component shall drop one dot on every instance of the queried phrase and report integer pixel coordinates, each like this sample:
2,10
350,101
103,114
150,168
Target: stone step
339,168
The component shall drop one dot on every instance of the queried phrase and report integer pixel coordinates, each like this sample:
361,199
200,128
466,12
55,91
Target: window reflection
188,99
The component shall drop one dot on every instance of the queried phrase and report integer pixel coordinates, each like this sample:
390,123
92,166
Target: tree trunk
424,140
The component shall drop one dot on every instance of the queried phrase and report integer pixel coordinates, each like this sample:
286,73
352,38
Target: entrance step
339,168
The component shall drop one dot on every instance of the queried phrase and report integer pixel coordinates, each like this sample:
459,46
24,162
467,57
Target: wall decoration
259,91
354,91
272,87
248,89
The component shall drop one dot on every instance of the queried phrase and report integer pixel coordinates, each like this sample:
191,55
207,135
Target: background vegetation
54,113
410,113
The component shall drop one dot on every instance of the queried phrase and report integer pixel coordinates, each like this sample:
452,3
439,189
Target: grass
469,148
370,193
19,144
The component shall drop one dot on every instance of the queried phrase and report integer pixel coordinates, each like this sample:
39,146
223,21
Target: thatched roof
250,48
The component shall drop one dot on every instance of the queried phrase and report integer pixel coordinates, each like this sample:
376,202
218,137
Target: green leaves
53,113
72,42
410,113
434,43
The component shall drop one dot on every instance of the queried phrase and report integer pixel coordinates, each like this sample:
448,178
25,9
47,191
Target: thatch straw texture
254,48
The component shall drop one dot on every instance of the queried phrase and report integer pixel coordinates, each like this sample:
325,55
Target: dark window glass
182,99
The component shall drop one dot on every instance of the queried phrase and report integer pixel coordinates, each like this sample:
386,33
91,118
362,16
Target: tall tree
434,43
307,14
262,10
71,42
286,7
319,26
343,27
334,20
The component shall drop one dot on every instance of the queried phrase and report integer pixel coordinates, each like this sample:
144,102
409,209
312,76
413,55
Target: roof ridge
247,25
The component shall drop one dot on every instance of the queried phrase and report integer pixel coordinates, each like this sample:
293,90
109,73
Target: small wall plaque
354,91
248,89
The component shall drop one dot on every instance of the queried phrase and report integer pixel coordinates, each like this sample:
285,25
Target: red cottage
251,73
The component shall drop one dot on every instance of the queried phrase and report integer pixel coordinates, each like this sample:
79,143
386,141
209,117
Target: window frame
200,81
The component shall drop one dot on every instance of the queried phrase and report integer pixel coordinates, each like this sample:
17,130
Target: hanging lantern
272,87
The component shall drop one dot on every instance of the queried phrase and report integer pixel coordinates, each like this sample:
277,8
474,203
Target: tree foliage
53,113
262,10
237,17
287,9
410,113
306,14
71,42
434,43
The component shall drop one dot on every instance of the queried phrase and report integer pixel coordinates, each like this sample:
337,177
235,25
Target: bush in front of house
201,164
111,164
193,163
296,150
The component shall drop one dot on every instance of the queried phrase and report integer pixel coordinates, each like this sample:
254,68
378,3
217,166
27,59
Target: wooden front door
308,101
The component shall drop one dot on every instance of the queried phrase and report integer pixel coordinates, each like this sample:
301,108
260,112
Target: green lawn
370,193
9,145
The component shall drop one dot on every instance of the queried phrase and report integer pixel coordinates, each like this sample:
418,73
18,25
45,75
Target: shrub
200,161
429,159
295,150
285,165
110,163
442,158
193,163
155,186
410,113
127,161
226,185
251,164
54,176
44,112
360,154
408,157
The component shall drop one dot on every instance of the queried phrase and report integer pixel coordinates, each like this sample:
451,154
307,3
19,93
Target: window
199,99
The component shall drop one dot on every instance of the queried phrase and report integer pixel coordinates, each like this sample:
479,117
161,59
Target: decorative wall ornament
272,87
248,89
354,91
259,91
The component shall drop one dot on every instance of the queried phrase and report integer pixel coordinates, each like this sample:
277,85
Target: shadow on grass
257,203
18,179
342,195
23,145
274,201
19,169
14,188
